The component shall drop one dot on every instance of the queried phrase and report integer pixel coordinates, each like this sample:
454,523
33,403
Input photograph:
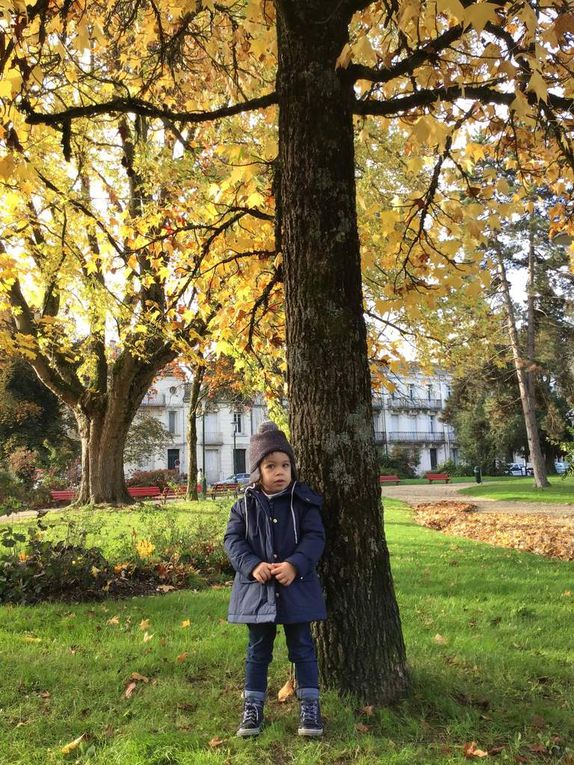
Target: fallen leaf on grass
440,639
165,587
538,749
215,742
144,624
182,657
113,620
72,745
471,750
538,722
30,639
45,694
369,710
362,728
496,750
538,533
286,691
185,623
567,594
147,637
134,679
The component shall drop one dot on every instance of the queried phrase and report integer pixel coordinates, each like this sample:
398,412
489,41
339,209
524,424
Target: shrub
23,462
161,478
403,460
455,468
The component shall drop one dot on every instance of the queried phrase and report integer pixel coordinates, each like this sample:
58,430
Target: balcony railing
414,403
405,436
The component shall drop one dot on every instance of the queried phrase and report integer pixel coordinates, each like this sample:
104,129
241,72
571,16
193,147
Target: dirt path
417,494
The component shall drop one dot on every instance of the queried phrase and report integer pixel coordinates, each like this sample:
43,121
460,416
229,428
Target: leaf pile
538,533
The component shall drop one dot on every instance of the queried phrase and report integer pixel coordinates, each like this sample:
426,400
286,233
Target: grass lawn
489,636
514,488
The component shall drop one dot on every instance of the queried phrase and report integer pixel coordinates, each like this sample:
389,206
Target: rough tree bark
360,647
198,374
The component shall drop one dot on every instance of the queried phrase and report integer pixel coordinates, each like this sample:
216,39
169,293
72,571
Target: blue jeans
301,651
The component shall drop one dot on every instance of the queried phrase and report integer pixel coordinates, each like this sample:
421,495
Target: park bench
437,477
63,495
389,479
224,489
172,492
143,492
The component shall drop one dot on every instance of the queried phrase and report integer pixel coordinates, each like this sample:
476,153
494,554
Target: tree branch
144,108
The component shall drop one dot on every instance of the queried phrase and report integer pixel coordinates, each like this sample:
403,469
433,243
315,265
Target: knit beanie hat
268,439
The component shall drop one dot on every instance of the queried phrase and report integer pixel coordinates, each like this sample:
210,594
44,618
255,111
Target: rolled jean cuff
254,695
307,693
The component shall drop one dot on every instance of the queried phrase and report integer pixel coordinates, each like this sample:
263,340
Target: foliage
147,437
161,478
456,468
402,460
23,463
49,561
30,414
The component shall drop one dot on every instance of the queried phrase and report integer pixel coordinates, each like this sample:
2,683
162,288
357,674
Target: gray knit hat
268,439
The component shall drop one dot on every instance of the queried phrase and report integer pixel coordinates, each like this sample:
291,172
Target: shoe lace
250,713
310,712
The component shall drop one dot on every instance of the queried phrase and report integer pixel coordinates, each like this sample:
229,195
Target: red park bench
389,479
224,489
63,495
437,477
143,492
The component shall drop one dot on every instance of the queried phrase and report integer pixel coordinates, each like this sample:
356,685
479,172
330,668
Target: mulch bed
545,535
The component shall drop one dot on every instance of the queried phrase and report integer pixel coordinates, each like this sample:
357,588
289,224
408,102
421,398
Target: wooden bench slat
389,479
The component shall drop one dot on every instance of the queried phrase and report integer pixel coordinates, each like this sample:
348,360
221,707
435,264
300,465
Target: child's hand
284,572
262,572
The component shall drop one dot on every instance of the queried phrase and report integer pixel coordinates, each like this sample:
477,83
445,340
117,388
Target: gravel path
437,492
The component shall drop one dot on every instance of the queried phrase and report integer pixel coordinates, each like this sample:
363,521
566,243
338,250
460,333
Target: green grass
501,673
516,489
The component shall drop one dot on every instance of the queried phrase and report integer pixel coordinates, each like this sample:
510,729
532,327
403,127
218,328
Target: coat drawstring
293,514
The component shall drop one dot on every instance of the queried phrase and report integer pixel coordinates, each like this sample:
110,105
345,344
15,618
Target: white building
408,417
411,417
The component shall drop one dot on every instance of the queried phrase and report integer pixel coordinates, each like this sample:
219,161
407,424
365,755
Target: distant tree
147,437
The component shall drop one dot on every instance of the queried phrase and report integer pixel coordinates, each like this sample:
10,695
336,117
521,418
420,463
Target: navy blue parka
285,527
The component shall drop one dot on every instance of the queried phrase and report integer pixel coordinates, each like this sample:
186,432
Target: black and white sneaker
310,722
252,721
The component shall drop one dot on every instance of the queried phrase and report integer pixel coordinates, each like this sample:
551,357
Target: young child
274,539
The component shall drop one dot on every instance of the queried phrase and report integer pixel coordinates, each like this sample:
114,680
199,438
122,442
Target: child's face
275,469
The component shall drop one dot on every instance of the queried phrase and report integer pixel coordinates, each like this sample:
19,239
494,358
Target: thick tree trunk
103,443
526,398
360,647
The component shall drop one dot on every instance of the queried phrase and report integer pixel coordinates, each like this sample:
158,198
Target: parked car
561,467
240,478
515,468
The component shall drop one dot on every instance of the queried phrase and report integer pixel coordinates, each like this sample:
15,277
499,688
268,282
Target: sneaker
252,721
310,722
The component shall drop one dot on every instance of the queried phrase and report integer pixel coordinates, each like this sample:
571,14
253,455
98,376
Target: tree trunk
192,434
103,442
526,399
360,647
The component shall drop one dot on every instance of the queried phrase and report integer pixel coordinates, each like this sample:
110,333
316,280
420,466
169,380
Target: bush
23,462
161,478
403,460
455,468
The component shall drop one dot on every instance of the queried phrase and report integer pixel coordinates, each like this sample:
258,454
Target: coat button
274,520
274,555
276,594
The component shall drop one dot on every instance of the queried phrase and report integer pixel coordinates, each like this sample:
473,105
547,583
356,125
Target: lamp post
203,477
234,447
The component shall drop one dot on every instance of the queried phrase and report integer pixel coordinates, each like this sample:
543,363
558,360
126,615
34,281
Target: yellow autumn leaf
478,15
344,58
186,623
72,745
453,7
144,624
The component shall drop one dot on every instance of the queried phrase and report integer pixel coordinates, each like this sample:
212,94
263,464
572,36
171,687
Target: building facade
408,417
411,417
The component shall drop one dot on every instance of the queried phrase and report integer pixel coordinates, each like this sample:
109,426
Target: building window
171,421
429,392
411,392
238,426
432,419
